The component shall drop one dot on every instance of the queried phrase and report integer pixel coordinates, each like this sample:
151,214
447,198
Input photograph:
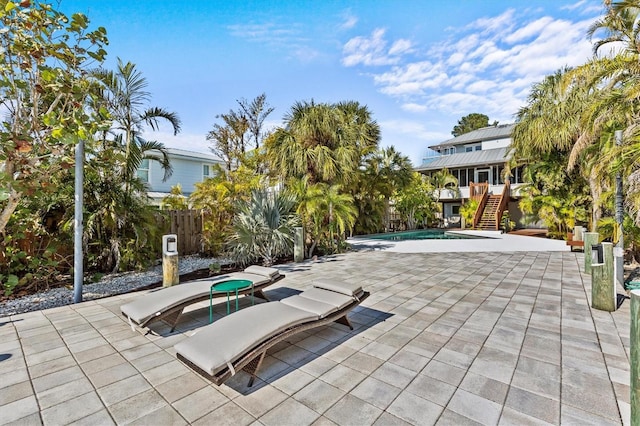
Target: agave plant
263,229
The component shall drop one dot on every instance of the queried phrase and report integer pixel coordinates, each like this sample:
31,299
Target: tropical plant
386,172
325,141
415,202
175,200
554,196
44,89
116,231
125,97
443,180
263,228
256,112
218,197
468,211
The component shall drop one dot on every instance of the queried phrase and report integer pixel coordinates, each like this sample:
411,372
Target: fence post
170,271
603,289
635,354
590,239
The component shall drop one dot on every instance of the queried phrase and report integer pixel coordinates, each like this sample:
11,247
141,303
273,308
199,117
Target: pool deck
478,338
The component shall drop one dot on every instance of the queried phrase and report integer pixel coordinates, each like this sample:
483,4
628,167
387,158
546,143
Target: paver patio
470,338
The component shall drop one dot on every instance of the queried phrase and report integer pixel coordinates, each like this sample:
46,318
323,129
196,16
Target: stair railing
504,201
480,193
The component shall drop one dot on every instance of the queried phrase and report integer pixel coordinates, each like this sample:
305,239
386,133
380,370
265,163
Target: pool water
422,234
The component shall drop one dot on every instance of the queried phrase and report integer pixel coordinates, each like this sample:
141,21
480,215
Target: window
206,171
478,147
462,180
455,209
468,149
143,171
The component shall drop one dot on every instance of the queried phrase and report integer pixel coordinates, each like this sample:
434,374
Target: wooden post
634,361
590,239
603,289
170,271
298,245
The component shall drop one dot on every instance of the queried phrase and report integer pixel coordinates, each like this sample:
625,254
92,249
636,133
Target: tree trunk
12,204
14,197
596,211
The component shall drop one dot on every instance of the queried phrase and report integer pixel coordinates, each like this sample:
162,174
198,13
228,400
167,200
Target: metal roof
193,154
467,159
502,131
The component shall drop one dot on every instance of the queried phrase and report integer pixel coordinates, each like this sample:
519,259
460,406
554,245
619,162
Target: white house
189,168
477,159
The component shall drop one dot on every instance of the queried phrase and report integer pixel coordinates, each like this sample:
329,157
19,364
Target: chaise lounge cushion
319,308
164,299
215,346
350,289
263,270
329,297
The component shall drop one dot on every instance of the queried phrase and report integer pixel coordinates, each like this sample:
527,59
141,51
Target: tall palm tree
125,97
387,172
116,224
339,214
324,141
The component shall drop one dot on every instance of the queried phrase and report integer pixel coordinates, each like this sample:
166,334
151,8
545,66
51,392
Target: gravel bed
109,285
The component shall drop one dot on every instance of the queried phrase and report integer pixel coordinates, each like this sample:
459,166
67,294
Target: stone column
590,239
603,285
298,245
635,357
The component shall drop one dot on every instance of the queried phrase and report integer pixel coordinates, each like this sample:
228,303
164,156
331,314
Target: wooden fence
187,225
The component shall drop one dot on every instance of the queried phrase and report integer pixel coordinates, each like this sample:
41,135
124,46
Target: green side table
228,287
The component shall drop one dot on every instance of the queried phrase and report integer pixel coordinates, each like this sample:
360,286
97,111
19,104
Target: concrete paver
501,337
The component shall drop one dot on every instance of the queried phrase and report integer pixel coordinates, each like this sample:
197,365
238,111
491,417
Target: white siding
499,143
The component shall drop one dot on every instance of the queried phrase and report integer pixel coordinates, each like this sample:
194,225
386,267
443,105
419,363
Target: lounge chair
167,304
240,341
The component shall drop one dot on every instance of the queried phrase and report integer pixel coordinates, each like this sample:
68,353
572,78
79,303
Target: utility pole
619,248
78,266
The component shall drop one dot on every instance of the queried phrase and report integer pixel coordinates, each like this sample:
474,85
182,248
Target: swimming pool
421,234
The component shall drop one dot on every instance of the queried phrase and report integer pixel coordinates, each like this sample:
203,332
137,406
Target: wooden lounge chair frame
574,243
172,315
251,361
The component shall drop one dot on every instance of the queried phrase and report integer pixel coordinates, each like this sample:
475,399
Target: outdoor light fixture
596,254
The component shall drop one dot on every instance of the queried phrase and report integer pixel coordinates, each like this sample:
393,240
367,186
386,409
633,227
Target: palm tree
555,121
125,97
387,172
116,223
324,141
339,214
264,228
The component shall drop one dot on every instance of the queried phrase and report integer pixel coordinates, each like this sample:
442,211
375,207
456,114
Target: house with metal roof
477,159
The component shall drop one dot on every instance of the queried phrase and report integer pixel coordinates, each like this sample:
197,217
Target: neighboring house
477,160
189,168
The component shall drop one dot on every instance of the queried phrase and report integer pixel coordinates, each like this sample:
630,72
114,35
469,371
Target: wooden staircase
490,208
488,220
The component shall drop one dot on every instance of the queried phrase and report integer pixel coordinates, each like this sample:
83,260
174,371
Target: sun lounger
167,304
240,341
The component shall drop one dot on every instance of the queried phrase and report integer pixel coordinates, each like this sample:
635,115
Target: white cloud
487,66
399,47
413,107
349,22
372,50
530,30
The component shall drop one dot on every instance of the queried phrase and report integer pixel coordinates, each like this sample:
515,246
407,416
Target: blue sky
418,65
